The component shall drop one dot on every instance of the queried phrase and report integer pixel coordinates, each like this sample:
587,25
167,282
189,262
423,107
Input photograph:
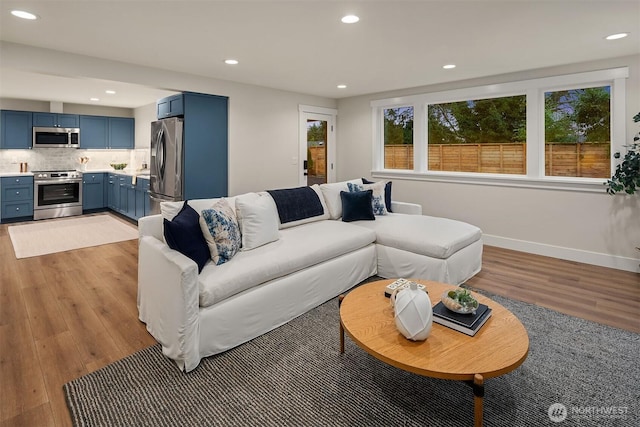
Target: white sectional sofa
194,315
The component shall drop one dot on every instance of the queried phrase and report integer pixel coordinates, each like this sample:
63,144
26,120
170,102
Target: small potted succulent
627,175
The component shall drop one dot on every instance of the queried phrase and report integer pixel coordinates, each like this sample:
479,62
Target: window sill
589,185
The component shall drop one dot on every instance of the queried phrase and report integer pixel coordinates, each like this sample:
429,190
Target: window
577,128
553,132
398,138
480,135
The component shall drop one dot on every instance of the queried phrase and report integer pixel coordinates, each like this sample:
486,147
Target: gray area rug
295,376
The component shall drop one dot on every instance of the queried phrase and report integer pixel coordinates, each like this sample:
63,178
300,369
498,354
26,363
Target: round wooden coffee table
500,346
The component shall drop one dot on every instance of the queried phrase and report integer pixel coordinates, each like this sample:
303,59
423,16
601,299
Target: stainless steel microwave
56,137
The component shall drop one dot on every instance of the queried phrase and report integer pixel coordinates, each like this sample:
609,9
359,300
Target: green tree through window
494,120
577,130
578,115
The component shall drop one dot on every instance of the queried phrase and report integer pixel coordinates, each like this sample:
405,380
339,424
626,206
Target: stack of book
466,323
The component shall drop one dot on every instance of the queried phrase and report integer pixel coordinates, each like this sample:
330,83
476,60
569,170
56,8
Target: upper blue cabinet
107,132
94,132
55,120
171,106
16,129
121,132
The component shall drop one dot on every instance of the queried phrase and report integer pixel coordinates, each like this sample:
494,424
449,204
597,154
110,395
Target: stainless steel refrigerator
166,164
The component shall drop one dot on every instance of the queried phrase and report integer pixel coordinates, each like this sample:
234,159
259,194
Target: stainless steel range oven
57,194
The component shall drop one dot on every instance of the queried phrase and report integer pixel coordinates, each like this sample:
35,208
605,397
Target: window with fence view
398,138
480,135
549,132
578,132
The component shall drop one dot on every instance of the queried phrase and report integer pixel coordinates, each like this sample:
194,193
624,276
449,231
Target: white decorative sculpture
413,312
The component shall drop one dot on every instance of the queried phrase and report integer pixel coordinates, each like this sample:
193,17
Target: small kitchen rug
59,235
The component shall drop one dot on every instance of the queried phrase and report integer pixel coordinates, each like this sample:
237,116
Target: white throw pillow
258,218
331,193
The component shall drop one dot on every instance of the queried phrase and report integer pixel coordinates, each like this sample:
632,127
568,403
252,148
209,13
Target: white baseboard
594,258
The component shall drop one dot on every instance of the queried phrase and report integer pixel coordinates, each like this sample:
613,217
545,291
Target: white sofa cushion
298,248
331,193
258,220
425,235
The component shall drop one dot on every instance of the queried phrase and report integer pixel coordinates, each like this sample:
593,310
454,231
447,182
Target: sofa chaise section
426,247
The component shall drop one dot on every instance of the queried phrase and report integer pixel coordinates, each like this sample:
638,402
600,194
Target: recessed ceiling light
231,61
449,66
350,19
110,92
342,86
94,99
24,15
617,36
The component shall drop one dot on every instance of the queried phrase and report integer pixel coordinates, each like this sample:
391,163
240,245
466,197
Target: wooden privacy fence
590,160
317,161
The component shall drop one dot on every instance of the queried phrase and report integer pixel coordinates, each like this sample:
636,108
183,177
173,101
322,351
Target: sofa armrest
150,226
406,208
168,300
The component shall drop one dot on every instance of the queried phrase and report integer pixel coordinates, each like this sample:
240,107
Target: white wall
144,116
588,227
263,122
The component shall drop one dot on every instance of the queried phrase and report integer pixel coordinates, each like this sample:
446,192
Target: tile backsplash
67,159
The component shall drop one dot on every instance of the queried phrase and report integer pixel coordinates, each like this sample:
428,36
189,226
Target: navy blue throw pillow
184,235
357,206
387,193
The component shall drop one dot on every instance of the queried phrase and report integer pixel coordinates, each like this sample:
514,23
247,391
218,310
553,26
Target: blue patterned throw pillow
221,231
377,200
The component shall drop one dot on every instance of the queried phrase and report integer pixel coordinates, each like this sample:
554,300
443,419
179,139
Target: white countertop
3,174
140,174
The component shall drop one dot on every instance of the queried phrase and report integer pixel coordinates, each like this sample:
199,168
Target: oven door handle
58,181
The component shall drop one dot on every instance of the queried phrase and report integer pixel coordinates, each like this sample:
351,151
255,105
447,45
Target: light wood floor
67,314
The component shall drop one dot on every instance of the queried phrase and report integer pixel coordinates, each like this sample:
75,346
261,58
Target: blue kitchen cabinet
94,131
55,120
16,197
107,132
92,191
131,201
17,129
122,205
142,198
171,106
121,132
205,150
113,198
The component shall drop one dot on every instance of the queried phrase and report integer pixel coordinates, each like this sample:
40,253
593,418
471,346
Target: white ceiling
302,46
